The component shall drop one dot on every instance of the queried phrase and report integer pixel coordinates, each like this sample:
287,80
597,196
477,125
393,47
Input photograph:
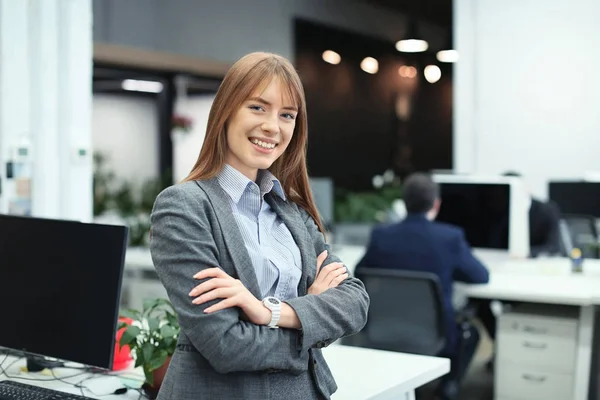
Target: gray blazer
220,356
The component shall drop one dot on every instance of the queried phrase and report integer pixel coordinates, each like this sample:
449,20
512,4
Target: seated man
419,244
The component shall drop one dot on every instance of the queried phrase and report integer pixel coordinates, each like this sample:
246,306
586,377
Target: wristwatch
273,304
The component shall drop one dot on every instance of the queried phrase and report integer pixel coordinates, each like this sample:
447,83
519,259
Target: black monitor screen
60,285
576,197
481,210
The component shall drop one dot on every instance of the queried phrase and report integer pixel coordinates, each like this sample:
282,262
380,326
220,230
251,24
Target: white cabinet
536,355
518,382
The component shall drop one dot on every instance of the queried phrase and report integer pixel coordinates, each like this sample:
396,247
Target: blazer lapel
294,223
232,236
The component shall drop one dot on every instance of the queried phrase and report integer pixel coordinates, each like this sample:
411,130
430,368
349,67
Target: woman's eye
288,116
257,108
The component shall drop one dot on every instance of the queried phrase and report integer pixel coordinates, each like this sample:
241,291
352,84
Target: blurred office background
105,102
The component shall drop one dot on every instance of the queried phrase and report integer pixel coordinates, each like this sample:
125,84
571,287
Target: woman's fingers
211,273
320,259
329,269
223,304
219,293
335,274
336,281
210,285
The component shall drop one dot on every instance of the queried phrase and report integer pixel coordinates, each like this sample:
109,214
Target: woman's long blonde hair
240,82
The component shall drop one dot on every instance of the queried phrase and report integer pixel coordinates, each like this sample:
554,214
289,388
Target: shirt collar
235,183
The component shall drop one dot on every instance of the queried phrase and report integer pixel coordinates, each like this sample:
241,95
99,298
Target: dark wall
354,131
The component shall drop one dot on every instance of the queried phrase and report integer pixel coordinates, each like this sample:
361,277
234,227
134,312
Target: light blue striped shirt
275,256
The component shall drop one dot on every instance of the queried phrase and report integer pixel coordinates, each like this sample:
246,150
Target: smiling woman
240,250
261,130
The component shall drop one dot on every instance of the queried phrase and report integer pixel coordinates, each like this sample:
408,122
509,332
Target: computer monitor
60,285
322,190
576,197
493,211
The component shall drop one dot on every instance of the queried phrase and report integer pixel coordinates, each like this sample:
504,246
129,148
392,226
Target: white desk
549,281
540,281
359,373
138,258
380,375
96,386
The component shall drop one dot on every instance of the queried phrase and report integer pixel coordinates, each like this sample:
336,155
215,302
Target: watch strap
275,312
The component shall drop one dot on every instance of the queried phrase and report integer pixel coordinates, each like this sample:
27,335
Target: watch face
273,300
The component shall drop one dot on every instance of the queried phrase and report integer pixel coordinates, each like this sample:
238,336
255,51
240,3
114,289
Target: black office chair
580,232
407,315
406,312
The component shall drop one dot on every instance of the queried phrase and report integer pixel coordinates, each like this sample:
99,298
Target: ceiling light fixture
331,57
412,43
407,71
448,54
135,85
432,73
369,65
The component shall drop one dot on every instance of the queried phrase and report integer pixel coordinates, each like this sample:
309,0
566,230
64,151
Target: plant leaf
147,350
129,335
139,357
167,331
153,324
149,375
169,345
158,360
149,304
173,321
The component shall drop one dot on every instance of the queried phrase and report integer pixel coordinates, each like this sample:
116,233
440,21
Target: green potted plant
357,212
368,207
152,338
130,202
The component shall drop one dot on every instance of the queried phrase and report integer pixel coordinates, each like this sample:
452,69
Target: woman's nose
270,126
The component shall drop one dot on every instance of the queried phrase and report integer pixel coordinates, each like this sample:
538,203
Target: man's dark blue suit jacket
417,244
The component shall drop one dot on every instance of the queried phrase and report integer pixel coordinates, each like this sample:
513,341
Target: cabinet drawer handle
531,345
533,378
531,329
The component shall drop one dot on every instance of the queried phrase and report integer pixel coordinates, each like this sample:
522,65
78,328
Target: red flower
181,122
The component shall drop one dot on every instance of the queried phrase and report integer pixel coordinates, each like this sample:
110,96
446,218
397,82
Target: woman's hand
232,291
327,277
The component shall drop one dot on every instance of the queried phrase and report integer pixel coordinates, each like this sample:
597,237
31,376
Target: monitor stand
38,363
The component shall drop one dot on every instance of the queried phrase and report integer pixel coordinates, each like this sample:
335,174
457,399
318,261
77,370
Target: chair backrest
406,312
583,234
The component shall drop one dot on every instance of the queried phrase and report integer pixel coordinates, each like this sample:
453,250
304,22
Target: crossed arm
182,245
234,294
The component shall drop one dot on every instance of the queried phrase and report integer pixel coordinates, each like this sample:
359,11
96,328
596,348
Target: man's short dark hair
419,193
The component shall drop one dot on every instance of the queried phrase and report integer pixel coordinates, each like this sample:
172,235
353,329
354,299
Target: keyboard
10,390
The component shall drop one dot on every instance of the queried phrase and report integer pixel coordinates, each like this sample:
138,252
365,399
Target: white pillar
465,100
43,31
45,99
14,87
75,108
